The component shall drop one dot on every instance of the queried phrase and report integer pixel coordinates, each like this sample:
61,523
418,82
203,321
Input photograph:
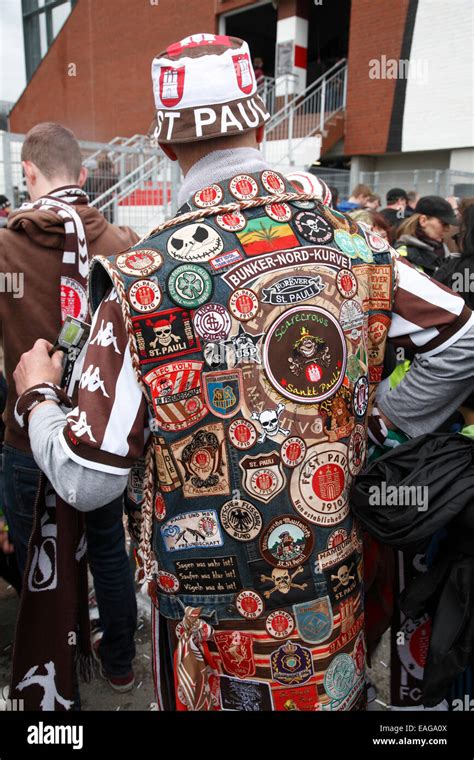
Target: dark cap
4,202
395,193
433,205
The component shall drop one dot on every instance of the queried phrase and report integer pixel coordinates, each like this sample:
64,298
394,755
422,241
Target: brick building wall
376,29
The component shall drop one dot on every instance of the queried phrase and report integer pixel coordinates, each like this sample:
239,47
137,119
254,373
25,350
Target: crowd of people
245,363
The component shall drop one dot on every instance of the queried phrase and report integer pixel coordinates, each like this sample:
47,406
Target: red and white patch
249,604
243,72
272,182
243,304
232,221
73,299
337,537
346,283
376,242
242,434
236,651
209,196
357,449
293,451
167,583
144,262
171,85
145,296
160,506
243,187
280,624
279,212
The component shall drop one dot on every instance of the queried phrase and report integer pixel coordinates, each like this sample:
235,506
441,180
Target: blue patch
192,530
291,664
314,620
223,392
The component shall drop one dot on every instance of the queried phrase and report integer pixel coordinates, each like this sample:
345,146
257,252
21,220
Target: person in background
374,202
413,198
420,238
335,196
259,72
395,210
376,222
32,247
458,272
5,209
358,198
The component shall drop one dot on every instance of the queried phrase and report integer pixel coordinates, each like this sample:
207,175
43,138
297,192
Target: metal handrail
123,185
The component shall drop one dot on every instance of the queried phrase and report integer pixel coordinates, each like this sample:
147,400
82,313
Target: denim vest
261,337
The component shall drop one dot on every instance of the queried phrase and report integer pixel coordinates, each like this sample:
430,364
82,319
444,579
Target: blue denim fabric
107,556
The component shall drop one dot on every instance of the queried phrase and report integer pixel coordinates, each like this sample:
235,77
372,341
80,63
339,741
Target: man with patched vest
249,335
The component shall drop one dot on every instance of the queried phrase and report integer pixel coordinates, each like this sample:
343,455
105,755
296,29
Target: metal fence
444,182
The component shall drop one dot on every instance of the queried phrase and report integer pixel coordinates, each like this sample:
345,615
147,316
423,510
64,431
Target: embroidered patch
231,221
339,546
167,582
225,259
263,476
209,575
337,414
318,487
212,322
313,227
291,664
73,299
294,289
190,285
361,396
351,318
241,520
245,696
279,212
305,354
242,434
143,262
282,586
194,243
293,451
342,581
314,620
279,624
202,462
339,676
208,196
223,392
357,449
346,283
249,604
272,182
165,334
236,652
243,187
193,530
263,234
176,393
243,304
287,541
300,698
145,296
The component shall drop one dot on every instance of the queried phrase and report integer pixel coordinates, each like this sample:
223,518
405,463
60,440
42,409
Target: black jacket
444,464
419,253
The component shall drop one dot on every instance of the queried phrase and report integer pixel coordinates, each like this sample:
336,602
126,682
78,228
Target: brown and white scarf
52,633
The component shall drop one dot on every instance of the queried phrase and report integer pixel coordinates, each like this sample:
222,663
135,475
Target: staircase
302,127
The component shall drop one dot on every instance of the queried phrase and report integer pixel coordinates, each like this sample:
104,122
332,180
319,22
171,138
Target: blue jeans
109,564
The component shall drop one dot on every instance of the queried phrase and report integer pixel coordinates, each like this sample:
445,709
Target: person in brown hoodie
34,298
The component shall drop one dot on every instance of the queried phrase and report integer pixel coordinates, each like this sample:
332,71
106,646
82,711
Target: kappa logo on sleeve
165,334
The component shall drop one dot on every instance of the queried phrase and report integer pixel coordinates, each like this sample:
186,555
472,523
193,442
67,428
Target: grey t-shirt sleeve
84,488
433,389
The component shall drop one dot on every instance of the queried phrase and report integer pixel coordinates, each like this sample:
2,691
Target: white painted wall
438,107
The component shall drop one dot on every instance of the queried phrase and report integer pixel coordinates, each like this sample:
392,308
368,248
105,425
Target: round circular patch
304,354
194,243
362,249
243,304
318,487
357,448
339,676
159,506
190,285
167,583
305,205
231,221
242,434
279,212
293,451
313,227
287,541
346,283
376,242
212,322
361,396
351,317
241,520
272,181
208,196
144,262
145,296
243,187
344,241
279,624
73,299
249,604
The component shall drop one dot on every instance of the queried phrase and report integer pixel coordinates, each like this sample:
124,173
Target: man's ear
31,172
83,174
168,151
259,134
